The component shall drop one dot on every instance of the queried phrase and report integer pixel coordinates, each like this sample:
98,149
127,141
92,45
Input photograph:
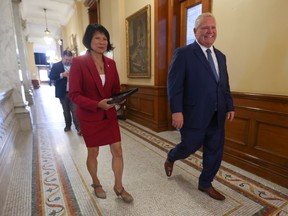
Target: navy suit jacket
60,84
193,89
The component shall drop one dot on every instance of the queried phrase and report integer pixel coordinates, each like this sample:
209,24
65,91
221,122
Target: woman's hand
104,105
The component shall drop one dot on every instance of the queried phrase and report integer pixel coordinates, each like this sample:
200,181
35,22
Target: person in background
200,101
93,79
59,74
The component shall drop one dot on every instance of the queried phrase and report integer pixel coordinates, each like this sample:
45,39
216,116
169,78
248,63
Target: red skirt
99,133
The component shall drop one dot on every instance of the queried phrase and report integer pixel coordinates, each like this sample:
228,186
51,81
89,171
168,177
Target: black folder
117,98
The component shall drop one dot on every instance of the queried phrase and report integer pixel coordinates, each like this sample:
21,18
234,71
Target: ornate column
20,26
10,61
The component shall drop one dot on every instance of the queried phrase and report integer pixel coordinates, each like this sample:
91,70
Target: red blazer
86,89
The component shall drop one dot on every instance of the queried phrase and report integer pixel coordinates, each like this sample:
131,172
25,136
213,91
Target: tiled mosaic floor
59,184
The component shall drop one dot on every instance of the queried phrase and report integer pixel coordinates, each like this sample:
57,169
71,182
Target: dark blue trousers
212,140
69,109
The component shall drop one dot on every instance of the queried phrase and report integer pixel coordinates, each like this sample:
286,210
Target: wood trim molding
257,138
94,12
148,106
255,141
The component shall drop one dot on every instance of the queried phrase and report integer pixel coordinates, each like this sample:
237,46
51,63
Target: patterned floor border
53,194
273,202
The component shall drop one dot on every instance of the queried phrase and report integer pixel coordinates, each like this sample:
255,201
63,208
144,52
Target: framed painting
138,44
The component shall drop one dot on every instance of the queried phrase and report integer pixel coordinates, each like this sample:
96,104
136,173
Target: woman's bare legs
92,165
117,167
117,163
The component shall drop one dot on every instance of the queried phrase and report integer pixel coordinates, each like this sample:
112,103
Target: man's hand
177,120
65,74
230,116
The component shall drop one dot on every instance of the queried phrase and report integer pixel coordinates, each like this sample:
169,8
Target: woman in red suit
93,79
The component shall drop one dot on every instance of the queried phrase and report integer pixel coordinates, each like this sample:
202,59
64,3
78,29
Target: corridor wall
256,49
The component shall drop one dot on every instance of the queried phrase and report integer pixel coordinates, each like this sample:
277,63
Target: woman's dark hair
89,32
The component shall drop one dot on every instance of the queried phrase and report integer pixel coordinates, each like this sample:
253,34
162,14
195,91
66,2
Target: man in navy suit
59,74
200,101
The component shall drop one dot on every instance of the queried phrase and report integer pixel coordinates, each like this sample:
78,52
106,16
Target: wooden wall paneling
160,29
174,36
238,131
167,30
94,13
160,101
206,6
145,106
266,139
257,140
183,17
185,5
265,102
167,39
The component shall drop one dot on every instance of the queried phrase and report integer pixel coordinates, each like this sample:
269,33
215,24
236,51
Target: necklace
100,66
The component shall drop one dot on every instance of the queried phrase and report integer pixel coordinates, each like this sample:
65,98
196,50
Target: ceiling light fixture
47,37
47,32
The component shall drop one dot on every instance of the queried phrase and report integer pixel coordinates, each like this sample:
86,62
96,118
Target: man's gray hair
201,17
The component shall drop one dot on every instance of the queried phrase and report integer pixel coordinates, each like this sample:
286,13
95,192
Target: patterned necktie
212,65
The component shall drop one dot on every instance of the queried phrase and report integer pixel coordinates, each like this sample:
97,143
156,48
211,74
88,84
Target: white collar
205,48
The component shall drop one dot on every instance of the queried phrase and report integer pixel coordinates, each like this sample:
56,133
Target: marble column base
29,97
24,117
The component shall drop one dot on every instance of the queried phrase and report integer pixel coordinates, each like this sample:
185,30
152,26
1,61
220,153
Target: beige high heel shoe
124,195
102,194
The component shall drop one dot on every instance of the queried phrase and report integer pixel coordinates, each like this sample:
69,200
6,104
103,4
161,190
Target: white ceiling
58,14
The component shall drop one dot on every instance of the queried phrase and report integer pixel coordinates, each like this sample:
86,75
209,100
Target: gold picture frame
138,44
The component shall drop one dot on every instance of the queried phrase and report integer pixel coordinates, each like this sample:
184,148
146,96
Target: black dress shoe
67,129
212,193
79,132
168,167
